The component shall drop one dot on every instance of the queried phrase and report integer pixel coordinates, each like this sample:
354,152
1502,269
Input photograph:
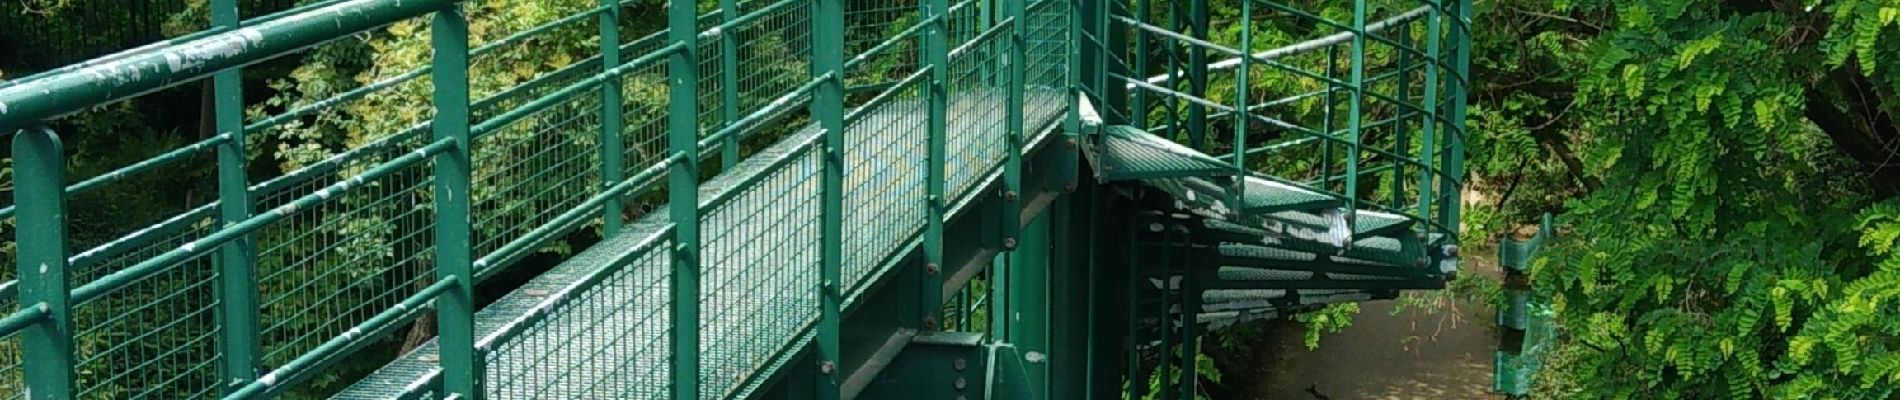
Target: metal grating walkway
595,326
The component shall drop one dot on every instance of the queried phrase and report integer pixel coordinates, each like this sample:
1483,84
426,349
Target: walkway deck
595,326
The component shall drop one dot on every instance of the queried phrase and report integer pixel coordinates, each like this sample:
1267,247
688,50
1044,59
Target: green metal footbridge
957,199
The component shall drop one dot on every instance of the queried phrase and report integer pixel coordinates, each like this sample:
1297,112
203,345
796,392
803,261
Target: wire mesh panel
535,168
326,269
774,54
154,338
884,179
869,23
601,338
975,128
759,262
1045,72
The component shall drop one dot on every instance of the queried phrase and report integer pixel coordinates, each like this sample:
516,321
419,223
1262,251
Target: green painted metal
146,71
455,324
729,83
237,261
936,56
724,294
40,180
828,109
612,118
682,131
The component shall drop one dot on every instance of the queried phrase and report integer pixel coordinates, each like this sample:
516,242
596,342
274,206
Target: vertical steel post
1237,191
682,138
612,149
936,55
1402,135
1013,123
1197,73
1427,136
1356,110
1068,164
828,109
1326,118
729,84
1140,114
236,260
1455,158
39,166
455,308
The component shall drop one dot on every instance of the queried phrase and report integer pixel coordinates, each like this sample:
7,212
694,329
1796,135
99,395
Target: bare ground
1413,355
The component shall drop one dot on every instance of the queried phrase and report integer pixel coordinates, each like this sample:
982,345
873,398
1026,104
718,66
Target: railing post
936,56
729,83
828,109
1013,124
612,153
682,138
1455,158
1356,111
1139,118
236,260
1197,73
1427,135
1069,157
1402,134
1237,191
39,171
455,308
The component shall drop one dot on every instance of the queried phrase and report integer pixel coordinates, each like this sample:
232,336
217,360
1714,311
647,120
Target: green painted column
455,308
39,166
1356,110
612,114
1068,166
1013,122
1430,126
1139,117
1237,189
1402,131
1455,158
936,56
1197,73
729,84
682,138
236,260
828,108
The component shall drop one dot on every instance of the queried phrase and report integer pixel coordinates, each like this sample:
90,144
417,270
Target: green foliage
1721,257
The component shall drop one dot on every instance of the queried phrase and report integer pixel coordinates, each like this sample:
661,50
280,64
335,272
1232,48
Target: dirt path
1412,355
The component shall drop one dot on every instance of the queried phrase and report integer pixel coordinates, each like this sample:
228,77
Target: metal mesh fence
759,266
884,180
602,339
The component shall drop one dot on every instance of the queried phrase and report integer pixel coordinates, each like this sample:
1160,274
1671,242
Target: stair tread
1130,153
1266,196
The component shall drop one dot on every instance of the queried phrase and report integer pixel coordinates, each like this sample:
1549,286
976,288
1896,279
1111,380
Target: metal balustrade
758,175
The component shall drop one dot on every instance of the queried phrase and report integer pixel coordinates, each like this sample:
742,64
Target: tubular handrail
175,64
22,318
163,43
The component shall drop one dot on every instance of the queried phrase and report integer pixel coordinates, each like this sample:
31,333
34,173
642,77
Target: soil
1413,355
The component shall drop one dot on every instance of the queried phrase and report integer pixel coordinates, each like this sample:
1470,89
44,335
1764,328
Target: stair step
1401,251
1129,153
1266,196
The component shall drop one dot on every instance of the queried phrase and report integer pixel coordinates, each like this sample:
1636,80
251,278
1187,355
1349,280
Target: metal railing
265,254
